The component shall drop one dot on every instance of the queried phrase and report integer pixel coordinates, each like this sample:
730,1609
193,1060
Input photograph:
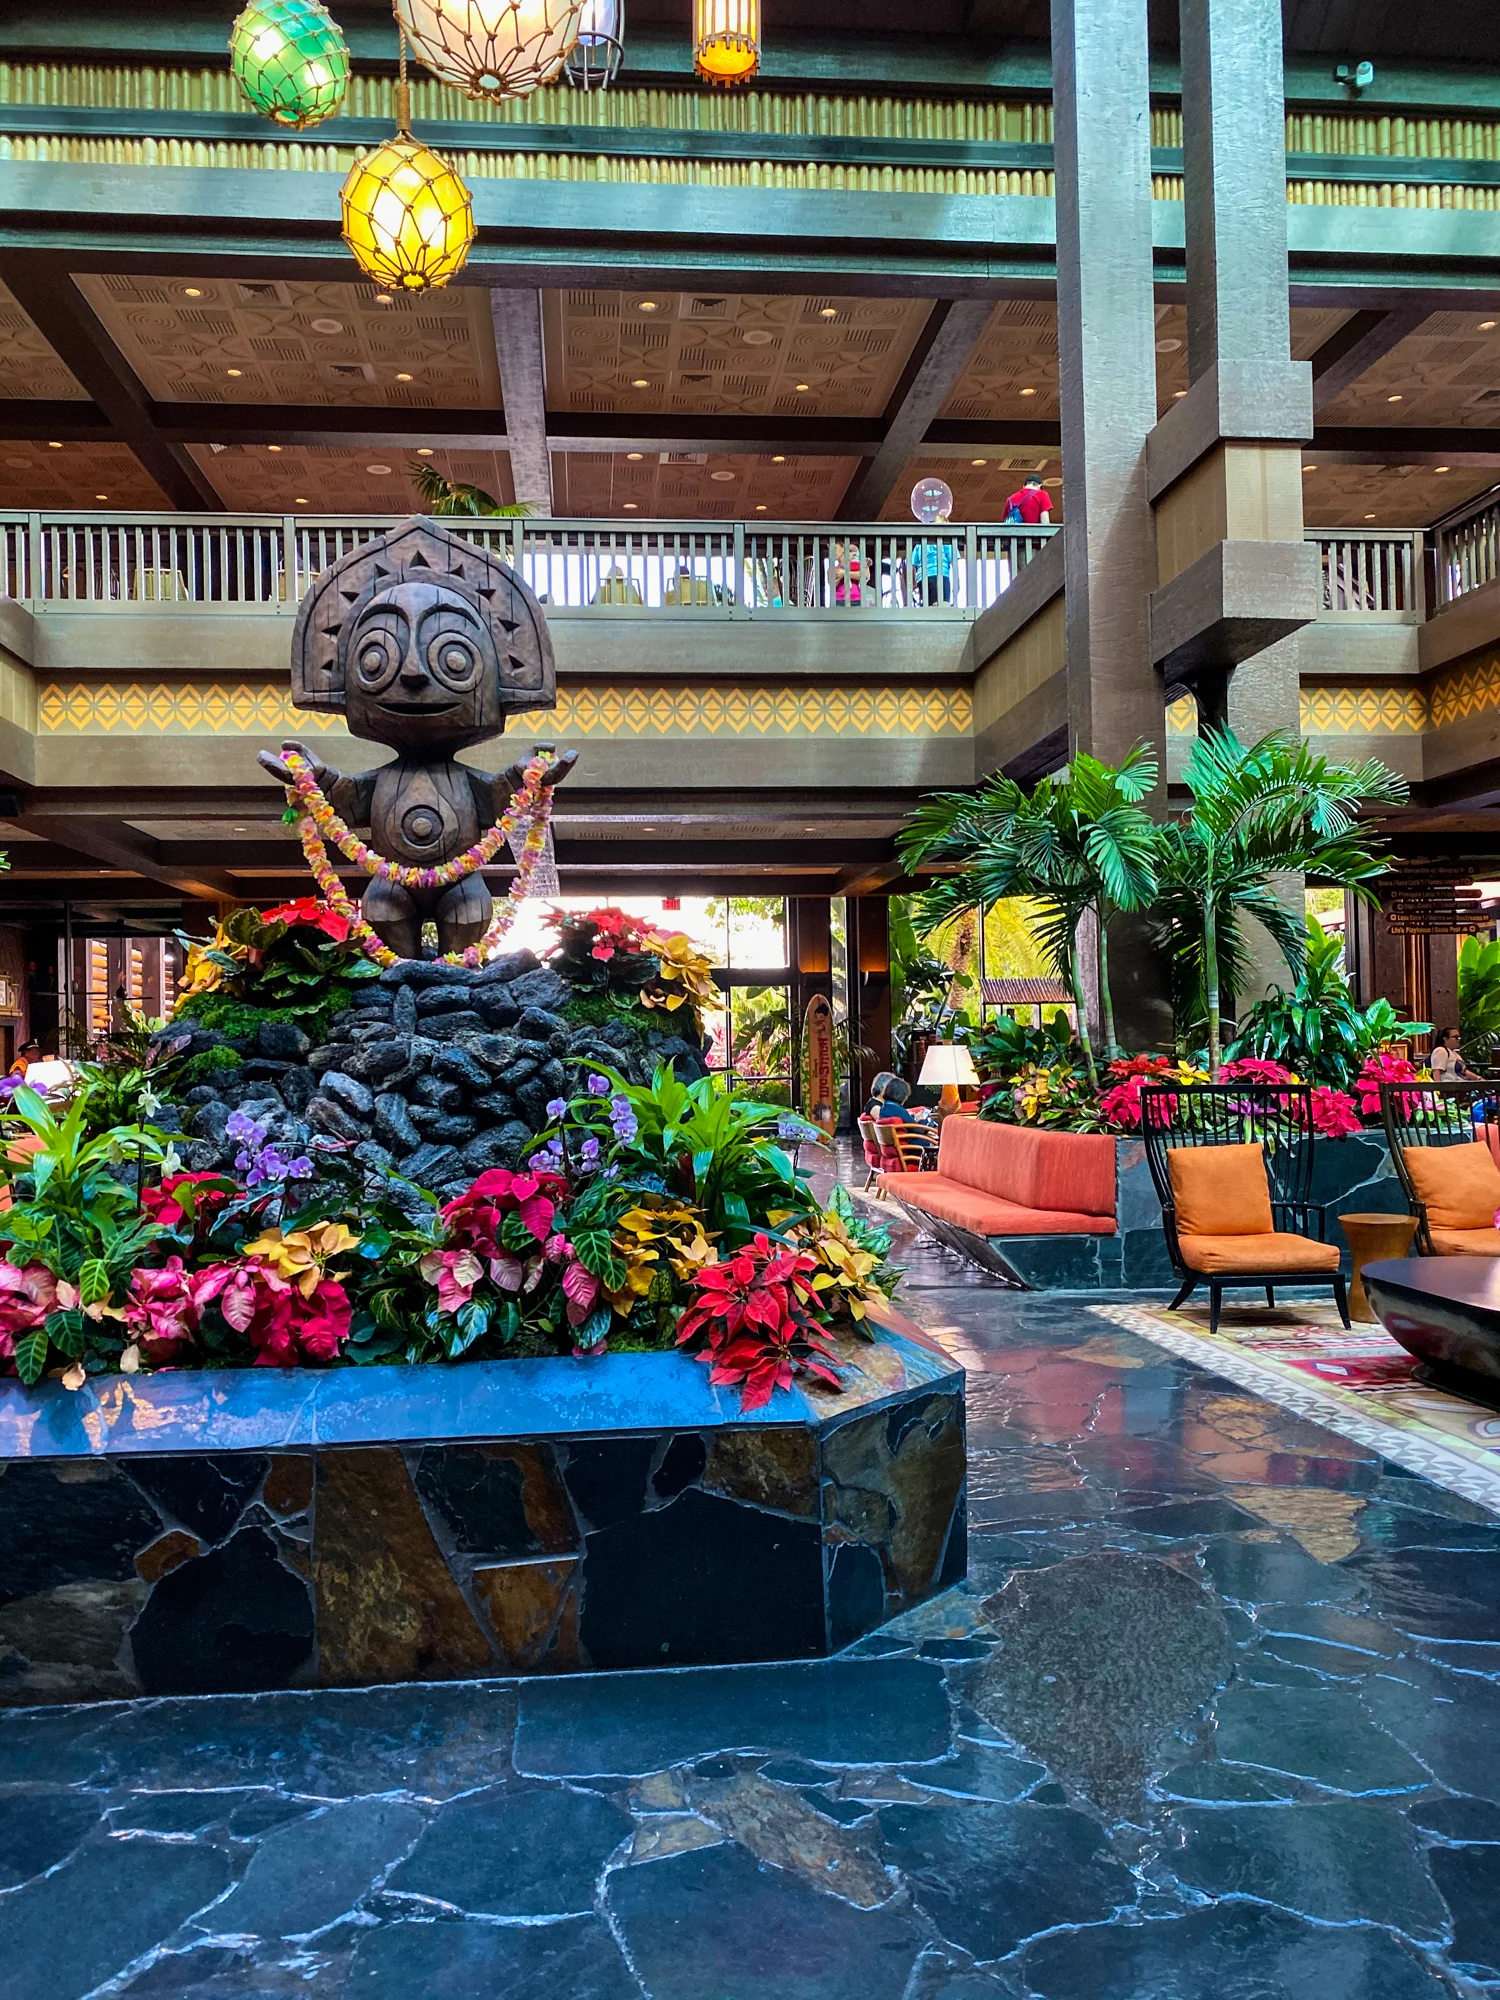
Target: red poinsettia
283,1322
205,1195
313,911
756,1313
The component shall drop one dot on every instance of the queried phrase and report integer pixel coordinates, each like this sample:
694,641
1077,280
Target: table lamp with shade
949,1064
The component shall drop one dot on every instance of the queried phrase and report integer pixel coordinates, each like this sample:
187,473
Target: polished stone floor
1218,1715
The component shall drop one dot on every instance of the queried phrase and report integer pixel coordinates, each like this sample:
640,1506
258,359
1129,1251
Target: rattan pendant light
408,217
726,40
492,48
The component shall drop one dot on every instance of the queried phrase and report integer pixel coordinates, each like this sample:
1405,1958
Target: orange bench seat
1013,1180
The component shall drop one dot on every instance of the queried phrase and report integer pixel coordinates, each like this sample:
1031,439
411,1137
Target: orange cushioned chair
1444,1142
1232,1165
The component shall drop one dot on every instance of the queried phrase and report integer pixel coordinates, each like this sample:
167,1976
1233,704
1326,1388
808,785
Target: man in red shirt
1033,504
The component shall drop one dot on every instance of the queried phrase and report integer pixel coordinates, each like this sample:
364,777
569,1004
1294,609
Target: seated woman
889,1096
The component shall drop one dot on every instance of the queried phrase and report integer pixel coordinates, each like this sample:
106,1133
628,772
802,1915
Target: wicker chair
1439,1114
1277,1120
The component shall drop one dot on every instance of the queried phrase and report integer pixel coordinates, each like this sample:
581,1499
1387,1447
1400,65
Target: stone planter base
1348,1174
205,1533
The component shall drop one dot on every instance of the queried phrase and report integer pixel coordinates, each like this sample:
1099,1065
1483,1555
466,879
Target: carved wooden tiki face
427,643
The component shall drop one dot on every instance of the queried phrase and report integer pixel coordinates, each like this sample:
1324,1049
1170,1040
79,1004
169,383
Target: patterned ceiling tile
92,476
1447,373
290,342
29,370
1017,352
678,486
1384,496
732,354
257,479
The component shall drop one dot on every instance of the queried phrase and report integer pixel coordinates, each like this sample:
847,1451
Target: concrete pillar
1107,367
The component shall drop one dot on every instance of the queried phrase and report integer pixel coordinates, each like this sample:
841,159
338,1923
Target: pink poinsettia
28,1292
1333,1112
162,1311
285,1322
475,1221
1383,1067
1255,1069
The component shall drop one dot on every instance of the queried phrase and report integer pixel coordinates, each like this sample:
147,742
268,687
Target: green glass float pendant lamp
291,60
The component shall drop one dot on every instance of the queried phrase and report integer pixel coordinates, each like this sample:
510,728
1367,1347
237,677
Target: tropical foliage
1478,998
1316,1029
1080,843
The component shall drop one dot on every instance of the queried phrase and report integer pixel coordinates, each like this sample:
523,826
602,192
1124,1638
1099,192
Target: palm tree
453,497
1079,842
1276,808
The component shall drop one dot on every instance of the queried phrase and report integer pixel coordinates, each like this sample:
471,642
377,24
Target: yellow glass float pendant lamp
726,40
408,217
291,60
492,48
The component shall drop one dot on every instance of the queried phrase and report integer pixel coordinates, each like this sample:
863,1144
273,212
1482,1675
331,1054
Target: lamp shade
948,1062
596,55
291,60
408,218
726,40
492,48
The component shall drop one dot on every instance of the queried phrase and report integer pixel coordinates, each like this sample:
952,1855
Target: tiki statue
427,644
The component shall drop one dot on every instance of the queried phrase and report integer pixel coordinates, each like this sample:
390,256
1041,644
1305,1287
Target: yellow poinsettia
302,1255
682,963
644,1233
844,1267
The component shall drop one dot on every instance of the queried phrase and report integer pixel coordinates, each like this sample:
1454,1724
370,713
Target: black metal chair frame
1432,1114
1229,1114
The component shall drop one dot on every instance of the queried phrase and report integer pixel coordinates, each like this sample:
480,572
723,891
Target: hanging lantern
492,48
408,218
726,39
291,60
596,55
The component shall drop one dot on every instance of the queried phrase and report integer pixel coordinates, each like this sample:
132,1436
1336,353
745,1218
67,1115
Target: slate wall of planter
1353,1175
147,1557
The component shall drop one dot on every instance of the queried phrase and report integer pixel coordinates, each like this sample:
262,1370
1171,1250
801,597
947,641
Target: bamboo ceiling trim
108,88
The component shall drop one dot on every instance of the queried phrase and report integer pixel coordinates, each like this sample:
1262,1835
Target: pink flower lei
317,822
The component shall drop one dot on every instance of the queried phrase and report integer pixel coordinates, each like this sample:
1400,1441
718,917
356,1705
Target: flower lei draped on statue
318,824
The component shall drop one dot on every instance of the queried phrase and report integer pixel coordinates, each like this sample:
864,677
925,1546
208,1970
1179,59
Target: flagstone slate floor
1218,1714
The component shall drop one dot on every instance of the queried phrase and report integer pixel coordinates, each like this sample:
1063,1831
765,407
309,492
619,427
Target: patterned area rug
1361,1384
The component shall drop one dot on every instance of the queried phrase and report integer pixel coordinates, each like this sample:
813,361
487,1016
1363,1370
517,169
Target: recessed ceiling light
1395,399
978,461
1028,392
382,298
803,387
54,444
18,462
779,459
101,496
640,382
760,506
1369,517
191,292
630,507
300,501
1168,346
424,451
829,312
402,376
649,306
721,476
234,371
1309,468
379,471
635,456
273,447
327,326
1442,468
757,336
1178,394
1486,326
240,829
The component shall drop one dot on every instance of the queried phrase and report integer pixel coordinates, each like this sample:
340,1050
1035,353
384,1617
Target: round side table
1372,1237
